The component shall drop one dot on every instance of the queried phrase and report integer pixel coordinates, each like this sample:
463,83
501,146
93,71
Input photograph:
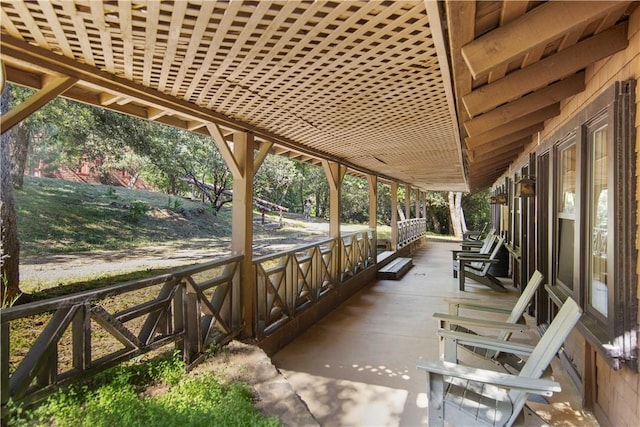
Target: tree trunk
457,216
9,244
437,227
19,154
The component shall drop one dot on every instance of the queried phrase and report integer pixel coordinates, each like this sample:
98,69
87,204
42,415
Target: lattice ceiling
356,81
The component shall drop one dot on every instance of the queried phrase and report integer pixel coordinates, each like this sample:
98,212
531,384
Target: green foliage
355,200
119,397
111,193
6,301
137,209
275,178
477,210
174,204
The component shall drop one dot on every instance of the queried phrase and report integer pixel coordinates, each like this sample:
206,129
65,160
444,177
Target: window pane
566,216
598,220
567,200
565,252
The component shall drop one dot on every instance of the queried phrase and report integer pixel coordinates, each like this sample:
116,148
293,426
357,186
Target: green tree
355,200
477,211
275,179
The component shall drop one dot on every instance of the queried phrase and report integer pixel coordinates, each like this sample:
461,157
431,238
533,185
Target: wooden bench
395,269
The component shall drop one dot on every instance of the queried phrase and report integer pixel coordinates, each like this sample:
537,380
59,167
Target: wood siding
617,397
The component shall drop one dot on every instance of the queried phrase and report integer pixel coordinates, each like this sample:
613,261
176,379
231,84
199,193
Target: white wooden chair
465,396
477,267
454,322
484,251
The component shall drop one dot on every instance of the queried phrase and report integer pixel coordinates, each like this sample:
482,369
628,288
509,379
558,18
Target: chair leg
435,385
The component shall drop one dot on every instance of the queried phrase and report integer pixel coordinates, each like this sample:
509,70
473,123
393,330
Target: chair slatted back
546,349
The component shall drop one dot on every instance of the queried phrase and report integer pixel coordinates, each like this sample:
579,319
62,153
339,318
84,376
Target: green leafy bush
121,397
137,209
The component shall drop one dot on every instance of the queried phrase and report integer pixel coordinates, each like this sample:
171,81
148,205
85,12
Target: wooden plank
526,105
516,125
173,38
36,356
52,87
5,345
508,139
546,71
114,327
81,338
537,27
81,34
490,152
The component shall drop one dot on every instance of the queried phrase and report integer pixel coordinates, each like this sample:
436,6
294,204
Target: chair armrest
471,304
514,382
486,342
466,251
476,258
481,323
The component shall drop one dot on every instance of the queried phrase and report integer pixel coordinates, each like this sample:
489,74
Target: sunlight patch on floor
342,402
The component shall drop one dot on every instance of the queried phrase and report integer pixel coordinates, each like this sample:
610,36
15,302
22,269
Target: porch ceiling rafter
547,70
514,63
534,29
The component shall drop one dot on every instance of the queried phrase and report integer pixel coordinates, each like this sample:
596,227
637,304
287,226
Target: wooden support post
417,203
335,174
4,362
373,212
81,336
394,216
407,201
242,224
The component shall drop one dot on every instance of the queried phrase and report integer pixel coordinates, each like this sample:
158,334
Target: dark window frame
614,337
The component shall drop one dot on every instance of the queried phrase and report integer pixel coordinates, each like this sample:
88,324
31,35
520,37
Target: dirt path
42,271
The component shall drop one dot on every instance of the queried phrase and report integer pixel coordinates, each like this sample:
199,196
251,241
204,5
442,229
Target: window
594,227
598,218
566,214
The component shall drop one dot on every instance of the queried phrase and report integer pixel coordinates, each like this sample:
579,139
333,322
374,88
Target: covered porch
357,366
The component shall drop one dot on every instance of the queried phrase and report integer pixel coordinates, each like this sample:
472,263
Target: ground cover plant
157,392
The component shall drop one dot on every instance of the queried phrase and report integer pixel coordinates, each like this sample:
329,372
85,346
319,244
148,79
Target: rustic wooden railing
291,281
81,334
411,230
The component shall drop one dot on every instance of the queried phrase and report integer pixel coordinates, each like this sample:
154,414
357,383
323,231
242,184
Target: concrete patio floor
357,366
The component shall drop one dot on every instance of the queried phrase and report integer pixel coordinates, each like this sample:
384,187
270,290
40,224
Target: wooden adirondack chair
456,323
474,244
477,267
482,251
474,234
463,395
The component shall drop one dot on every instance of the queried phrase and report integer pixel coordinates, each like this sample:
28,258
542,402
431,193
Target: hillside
74,231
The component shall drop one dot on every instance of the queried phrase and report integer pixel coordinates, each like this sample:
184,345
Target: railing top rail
36,307
295,249
196,268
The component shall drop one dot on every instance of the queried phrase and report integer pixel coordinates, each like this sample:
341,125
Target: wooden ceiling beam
526,105
507,139
548,70
515,125
502,161
533,29
499,153
51,88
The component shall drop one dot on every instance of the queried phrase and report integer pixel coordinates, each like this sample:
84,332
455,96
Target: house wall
617,397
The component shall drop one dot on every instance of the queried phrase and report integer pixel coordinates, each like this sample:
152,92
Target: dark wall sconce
493,200
526,187
502,199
